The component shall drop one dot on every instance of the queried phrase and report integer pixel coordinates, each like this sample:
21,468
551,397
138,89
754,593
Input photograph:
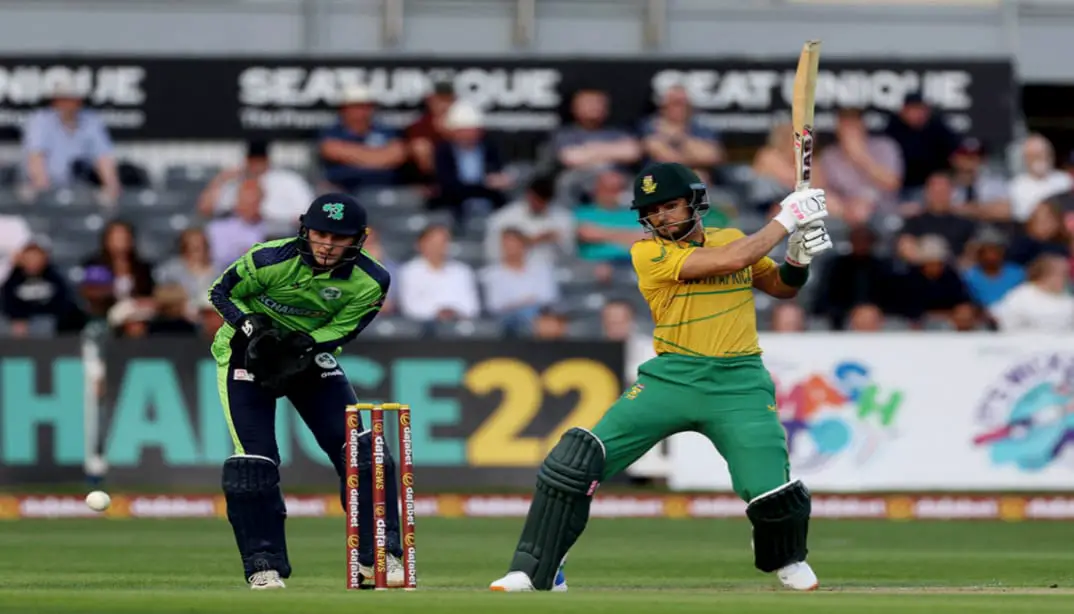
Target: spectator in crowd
173,310
589,145
619,322
863,172
1042,303
65,142
549,227
97,291
774,161
607,227
192,268
938,218
358,152
788,318
129,318
434,287
230,237
286,193
470,177
36,290
859,277
978,192
517,287
673,134
991,276
209,320
933,289
427,132
132,276
926,143
375,248
774,173
550,324
1045,233
14,236
866,318
1039,181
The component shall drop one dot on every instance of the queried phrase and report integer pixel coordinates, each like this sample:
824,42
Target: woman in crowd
132,276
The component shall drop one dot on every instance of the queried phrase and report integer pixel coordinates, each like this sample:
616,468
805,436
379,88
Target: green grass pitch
632,566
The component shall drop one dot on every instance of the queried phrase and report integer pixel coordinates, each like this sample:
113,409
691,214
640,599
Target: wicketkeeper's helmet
336,213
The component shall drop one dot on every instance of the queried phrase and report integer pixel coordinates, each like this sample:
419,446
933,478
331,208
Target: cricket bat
805,85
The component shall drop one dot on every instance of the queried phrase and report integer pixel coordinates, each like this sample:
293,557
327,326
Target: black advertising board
292,98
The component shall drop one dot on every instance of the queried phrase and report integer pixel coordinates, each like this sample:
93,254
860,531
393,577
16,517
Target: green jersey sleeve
237,283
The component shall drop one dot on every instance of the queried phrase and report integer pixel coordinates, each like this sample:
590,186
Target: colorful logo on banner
1028,415
832,414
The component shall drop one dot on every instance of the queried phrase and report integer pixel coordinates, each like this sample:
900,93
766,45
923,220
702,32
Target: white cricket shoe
396,572
513,582
267,579
519,582
798,576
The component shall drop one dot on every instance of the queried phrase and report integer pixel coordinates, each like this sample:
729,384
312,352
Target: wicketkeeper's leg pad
366,533
780,520
256,511
566,481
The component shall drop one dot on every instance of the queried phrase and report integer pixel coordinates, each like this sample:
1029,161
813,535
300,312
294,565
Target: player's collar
343,271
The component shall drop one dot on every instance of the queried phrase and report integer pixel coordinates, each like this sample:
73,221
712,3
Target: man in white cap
358,152
468,165
65,141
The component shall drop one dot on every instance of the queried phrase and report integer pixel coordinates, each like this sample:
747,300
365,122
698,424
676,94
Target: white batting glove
807,242
801,208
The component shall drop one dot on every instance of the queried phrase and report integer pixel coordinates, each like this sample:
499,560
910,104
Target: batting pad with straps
256,511
780,520
559,512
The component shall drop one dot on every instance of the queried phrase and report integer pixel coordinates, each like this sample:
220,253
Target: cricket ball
98,500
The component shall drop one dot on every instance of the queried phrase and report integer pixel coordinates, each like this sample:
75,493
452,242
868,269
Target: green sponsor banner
483,412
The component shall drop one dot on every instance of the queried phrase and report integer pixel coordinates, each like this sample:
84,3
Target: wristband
793,276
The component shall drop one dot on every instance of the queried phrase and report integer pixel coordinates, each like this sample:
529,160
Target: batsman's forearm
734,256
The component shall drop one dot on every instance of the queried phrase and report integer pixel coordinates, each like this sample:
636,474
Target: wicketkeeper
708,377
290,306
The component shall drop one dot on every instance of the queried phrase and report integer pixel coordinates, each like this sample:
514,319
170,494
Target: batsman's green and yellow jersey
273,279
713,317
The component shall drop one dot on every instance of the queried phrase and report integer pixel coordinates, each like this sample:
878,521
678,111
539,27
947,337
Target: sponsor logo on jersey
331,293
325,360
332,373
289,310
242,375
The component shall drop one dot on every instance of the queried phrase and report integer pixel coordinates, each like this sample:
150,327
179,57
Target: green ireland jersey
272,278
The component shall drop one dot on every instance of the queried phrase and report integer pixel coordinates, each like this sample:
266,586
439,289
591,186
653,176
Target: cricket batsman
290,305
707,377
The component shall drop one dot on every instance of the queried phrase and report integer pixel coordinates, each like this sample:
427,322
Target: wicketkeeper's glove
807,242
801,208
274,357
252,325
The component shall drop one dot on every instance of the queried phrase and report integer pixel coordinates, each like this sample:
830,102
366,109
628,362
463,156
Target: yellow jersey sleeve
658,264
764,266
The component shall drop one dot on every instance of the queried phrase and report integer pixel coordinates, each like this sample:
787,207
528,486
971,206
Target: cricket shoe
396,573
519,582
263,580
798,576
